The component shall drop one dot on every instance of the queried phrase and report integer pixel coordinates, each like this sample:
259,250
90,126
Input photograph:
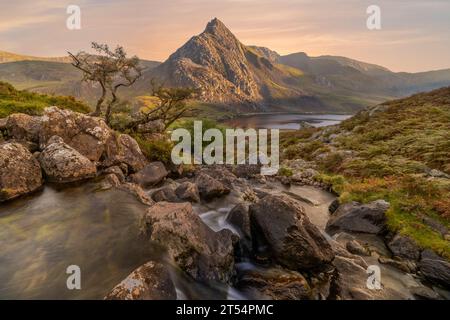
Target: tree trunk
98,107
110,107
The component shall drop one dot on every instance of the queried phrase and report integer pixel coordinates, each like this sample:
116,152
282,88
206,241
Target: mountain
51,77
229,72
237,77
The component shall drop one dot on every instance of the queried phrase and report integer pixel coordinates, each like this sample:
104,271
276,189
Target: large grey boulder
199,251
20,172
435,268
62,163
404,247
150,281
152,174
292,239
356,217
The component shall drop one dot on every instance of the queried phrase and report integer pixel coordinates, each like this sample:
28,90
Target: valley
238,77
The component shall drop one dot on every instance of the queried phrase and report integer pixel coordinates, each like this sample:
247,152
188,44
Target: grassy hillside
398,151
16,101
12,57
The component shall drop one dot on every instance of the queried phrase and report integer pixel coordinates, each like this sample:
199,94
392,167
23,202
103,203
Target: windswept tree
111,69
172,104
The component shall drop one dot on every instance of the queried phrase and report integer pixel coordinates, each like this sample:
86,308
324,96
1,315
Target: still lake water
285,121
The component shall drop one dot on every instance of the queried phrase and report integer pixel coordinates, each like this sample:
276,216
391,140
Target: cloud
155,28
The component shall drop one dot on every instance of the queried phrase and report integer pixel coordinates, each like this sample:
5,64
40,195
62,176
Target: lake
285,121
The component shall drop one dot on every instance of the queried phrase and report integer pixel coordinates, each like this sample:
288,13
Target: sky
414,34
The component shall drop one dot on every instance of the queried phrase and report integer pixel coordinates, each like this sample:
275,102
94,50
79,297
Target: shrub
155,149
285,172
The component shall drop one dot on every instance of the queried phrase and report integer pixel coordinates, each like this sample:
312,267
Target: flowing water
98,230
41,235
290,121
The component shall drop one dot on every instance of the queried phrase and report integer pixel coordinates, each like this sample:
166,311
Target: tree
171,105
111,70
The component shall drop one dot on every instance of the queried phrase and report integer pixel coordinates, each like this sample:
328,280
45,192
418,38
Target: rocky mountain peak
215,62
217,27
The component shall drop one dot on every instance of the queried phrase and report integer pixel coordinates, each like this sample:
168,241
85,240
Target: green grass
16,101
392,149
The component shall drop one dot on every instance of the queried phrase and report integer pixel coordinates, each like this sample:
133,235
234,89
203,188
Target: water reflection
290,121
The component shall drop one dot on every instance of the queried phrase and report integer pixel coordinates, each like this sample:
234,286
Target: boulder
247,170
156,126
152,174
404,247
125,150
62,163
115,170
210,187
138,192
91,137
239,218
20,172
435,268
150,281
356,217
199,251
350,281
188,191
275,284
404,265
165,194
293,240
3,122
357,248
334,205
21,126
88,135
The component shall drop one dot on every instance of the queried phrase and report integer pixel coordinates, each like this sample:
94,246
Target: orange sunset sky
414,35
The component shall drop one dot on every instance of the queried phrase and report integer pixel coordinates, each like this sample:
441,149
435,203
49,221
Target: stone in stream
151,175
355,247
199,251
333,206
62,163
239,217
275,284
404,247
209,187
293,241
165,194
150,281
356,217
20,172
188,191
435,268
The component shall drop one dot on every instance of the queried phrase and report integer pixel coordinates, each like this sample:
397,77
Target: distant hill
13,57
239,77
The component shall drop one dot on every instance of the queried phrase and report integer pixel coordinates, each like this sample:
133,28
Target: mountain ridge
229,73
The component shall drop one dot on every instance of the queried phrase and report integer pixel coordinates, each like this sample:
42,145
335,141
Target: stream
98,230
